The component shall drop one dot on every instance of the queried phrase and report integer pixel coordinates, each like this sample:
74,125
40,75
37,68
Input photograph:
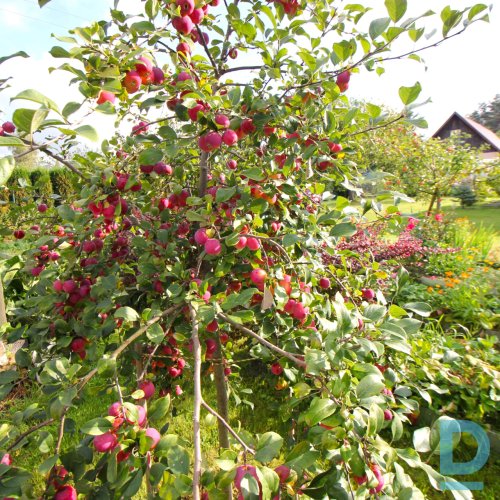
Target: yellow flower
448,273
440,292
430,289
465,275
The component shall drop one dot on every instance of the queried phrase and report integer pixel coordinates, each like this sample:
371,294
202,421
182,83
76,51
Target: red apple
106,96
229,138
67,492
154,435
183,24
213,246
258,276
132,81
105,442
324,283
148,388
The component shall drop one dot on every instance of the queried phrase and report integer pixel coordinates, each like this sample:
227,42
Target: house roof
486,134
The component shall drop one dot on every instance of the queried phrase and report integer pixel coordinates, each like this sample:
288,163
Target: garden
258,288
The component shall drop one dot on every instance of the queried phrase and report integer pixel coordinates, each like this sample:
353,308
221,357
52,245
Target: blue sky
460,74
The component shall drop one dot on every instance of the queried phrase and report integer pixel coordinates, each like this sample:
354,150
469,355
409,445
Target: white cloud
13,15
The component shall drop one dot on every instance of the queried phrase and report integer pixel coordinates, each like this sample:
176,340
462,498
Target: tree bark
197,405
3,312
431,204
222,400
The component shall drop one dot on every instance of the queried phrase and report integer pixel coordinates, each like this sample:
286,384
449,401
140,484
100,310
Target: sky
458,75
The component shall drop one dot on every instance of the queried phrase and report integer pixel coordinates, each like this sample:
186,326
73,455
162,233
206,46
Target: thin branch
275,243
30,431
60,434
239,68
34,148
262,340
387,124
228,427
202,188
207,50
55,156
198,399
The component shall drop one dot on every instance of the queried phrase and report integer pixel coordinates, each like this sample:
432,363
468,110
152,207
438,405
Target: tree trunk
3,313
222,403
431,204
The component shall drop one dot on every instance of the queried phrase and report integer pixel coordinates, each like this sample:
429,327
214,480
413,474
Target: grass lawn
263,417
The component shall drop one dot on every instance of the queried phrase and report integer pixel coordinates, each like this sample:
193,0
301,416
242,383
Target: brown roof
486,134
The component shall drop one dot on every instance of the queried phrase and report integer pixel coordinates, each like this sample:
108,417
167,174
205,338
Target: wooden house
479,135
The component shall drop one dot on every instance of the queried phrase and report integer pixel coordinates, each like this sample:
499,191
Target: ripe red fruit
69,286
183,24
89,246
184,48
187,6
283,472
42,208
367,293
106,96
253,244
78,344
232,164
115,410
222,121
247,126
258,276
224,337
324,283
132,81
213,246
141,416
161,168
197,16
213,326
183,76
105,442
360,479
8,127
343,78
241,472
209,141
6,460
154,435
388,415
200,236
229,138
148,388
67,492
19,234
193,112
380,477
268,130
300,311
242,243
158,76
233,53
276,369
211,346
163,204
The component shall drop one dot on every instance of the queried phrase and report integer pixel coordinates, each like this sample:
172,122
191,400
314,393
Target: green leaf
159,408
41,3
10,141
474,11
371,385
150,156
134,485
396,9
224,194
22,119
106,366
421,308
97,426
316,361
38,119
7,164
178,460
396,311
319,410
21,53
155,333
35,96
88,132
127,313
410,94
290,240
268,446
249,488
238,299
378,26
344,229
8,376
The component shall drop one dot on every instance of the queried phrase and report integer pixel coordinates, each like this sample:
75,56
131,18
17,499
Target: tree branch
207,51
30,431
262,340
239,68
197,404
387,124
55,156
202,188
228,427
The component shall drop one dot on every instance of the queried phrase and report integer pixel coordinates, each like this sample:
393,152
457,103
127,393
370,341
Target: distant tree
488,114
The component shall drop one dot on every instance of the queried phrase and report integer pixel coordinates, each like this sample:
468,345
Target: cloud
13,15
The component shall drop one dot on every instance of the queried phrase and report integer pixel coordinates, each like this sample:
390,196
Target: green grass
263,417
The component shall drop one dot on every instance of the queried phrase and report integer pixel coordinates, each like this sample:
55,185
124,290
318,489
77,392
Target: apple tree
203,230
